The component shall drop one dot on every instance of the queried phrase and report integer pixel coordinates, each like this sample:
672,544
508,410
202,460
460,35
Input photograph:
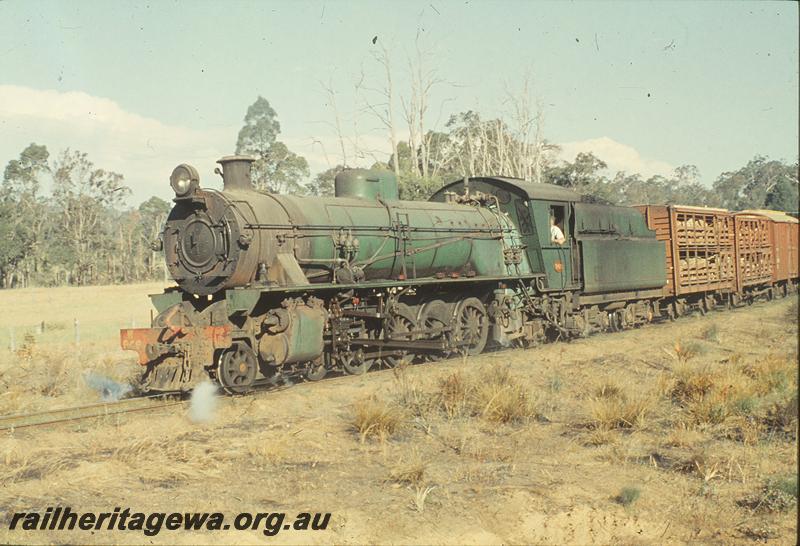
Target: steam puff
203,403
110,390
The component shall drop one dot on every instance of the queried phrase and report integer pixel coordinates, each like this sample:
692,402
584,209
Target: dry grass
46,369
684,436
778,494
613,406
270,451
494,394
687,350
374,418
792,311
409,472
741,399
420,496
711,333
628,496
454,394
502,398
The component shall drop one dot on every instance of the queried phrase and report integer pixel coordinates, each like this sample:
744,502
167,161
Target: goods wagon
700,250
785,231
754,257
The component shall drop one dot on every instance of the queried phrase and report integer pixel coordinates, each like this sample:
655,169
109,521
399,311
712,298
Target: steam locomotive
272,286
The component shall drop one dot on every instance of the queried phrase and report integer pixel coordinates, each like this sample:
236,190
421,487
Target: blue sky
647,86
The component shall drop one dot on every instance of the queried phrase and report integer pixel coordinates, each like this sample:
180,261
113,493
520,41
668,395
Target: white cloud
143,149
618,156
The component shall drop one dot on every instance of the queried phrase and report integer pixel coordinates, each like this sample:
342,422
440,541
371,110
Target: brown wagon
700,245
785,232
754,256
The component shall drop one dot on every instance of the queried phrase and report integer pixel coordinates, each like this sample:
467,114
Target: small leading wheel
354,363
316,369
237,367
470,326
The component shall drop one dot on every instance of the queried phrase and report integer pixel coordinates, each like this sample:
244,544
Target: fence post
77,332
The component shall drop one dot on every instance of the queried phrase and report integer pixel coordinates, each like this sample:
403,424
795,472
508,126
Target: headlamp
184,180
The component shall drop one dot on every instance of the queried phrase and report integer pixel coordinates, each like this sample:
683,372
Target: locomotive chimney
236,172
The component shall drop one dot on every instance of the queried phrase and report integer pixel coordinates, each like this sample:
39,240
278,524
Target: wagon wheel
581,320
613,321
605,321
401,321
621,316
650,314
236,369
631,320
434,315
470,326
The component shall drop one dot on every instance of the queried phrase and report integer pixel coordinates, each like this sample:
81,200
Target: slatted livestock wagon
700,253
784,232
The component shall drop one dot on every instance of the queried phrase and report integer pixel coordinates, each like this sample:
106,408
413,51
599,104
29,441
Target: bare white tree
337,118
384,111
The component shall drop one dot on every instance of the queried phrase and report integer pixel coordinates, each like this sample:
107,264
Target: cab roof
530,190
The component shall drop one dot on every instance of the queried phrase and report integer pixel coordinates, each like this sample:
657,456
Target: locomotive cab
529,206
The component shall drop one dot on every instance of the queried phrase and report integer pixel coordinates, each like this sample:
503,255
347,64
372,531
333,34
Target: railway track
104,409
90,411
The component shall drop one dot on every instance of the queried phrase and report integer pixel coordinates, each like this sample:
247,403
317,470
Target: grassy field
100,311
674,433
47,365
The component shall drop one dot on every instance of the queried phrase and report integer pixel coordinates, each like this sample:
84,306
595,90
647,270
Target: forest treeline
66,221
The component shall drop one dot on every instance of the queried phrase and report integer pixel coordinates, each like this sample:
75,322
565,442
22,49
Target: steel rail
128,405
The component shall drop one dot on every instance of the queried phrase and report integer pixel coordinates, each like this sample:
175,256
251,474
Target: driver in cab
556,235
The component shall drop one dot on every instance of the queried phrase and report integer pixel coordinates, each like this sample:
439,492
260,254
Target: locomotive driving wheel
471,326
401,322
433,318
236,369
